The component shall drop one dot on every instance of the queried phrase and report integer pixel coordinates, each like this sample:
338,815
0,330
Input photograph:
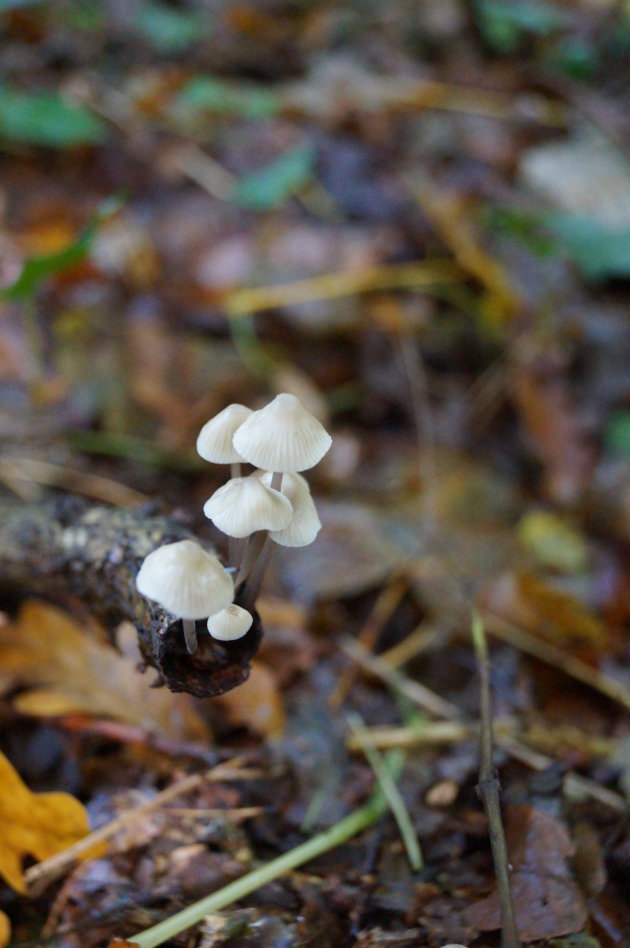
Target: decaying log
70,552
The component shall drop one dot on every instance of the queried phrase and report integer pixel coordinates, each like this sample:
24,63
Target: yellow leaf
553,541
33,824
5,930
72,671
257,704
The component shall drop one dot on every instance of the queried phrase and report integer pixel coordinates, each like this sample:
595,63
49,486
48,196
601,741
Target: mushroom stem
276,480
234,554
190,635
238,551
255,578
254,547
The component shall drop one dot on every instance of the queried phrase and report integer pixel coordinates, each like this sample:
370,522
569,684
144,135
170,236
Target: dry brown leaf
33,824
547,900
552,614
257,704
72,671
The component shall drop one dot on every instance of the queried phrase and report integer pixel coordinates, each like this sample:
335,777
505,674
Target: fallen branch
71,552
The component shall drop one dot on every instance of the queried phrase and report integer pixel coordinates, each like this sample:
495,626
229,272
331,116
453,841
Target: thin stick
488,790
335,836
337,285
426,699
381,612
41,875
419,694
551,655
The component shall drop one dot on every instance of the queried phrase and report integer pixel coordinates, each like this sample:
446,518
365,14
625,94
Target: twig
381,612
337,285
42,874
34,472
419,694
551,655
335,836
488,790
390,790
426,699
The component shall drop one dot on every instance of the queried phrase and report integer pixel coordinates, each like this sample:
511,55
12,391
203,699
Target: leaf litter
419,221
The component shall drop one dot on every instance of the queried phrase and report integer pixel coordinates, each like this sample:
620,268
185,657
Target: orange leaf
5,930
71,671
257,704
33,824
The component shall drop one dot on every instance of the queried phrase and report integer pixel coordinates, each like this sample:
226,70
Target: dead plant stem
488,790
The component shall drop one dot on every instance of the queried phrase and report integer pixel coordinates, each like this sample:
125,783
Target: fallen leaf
33,824
5,930
257,704
553,541
535,605
547,900
71,671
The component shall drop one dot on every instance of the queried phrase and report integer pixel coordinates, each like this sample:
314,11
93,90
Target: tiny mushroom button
230,624
187,581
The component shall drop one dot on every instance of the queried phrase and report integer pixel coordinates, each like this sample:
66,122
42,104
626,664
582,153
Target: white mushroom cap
229,624
245,505
215,438
185,579
305,524
283,436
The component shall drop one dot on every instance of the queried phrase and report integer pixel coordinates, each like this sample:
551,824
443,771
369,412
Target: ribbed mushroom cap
283,436
229,624
215,438
245,505
185,579
305,524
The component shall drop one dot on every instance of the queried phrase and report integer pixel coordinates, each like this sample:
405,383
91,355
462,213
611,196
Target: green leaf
36,269
207,94
599,250
169,30
504,25
617,433
46,118
6,5
276,182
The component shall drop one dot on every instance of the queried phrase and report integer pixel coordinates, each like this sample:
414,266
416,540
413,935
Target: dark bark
75,553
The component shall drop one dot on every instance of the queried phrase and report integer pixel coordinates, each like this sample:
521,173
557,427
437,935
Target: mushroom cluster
273,504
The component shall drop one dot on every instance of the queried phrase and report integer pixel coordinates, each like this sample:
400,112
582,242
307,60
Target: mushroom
283,438
187,581
245,505
230,624
305,523
215,438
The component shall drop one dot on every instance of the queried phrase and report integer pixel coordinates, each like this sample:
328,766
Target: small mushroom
230,624
215,438
283,437
187,581
305,523
245,505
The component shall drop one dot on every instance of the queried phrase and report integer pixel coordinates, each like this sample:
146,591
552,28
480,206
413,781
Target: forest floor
415,217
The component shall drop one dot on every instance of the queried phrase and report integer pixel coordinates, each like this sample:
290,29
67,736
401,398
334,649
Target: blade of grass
390,790
338,834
